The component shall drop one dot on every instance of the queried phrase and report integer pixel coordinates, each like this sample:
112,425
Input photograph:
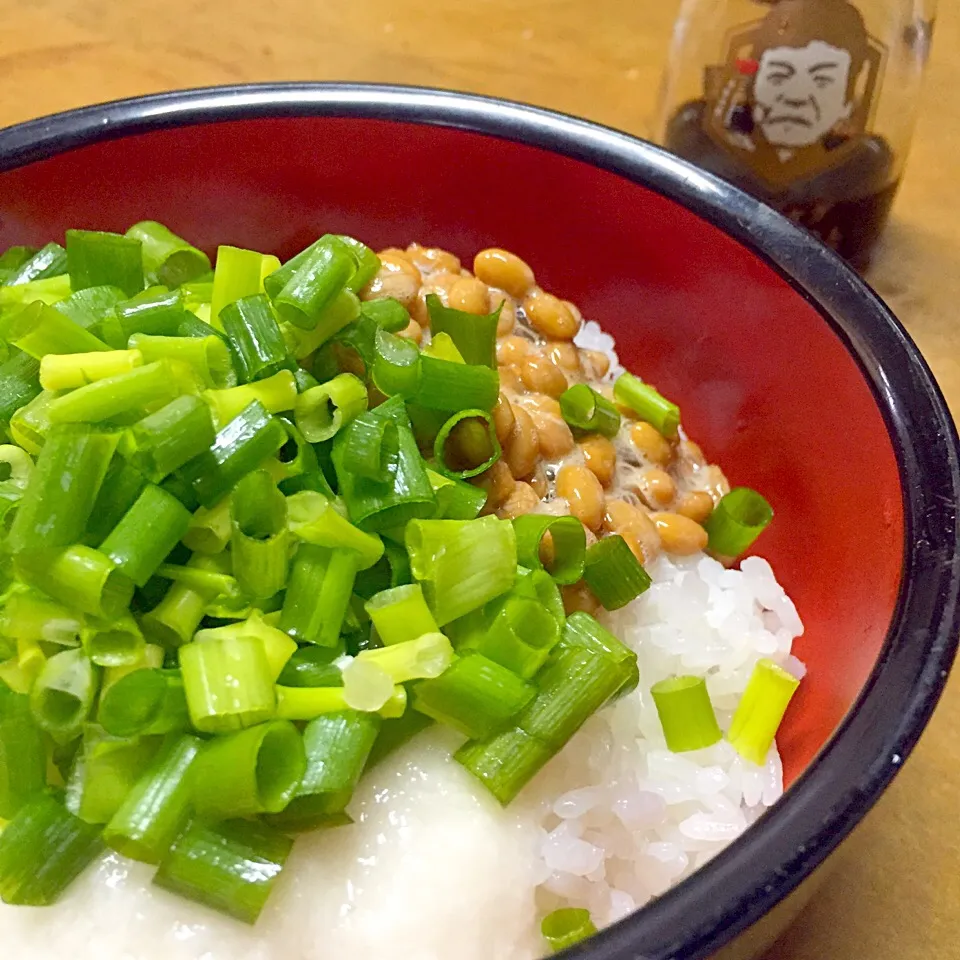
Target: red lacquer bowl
789,371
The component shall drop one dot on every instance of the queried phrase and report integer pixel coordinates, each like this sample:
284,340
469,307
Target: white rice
433,869
621,817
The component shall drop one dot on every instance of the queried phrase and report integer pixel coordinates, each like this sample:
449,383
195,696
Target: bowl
791,373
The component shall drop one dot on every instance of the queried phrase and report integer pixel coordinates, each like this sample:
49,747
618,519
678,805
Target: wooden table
896,893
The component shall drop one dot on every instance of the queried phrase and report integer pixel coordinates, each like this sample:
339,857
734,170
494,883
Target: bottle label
796,91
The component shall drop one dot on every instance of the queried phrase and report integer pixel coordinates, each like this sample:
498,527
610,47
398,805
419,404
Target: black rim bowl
846,778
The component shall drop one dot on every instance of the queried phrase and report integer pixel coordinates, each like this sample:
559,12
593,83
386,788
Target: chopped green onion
62,698
583,631
13,258
149,530
30,424
21,670
448,386
208,357
277,646
760,711
63,487
120,488
567,926
259,538
23,755
401,614
64,371
157,312
48,261
113,643
463,563
318,594
312,666
38,329
301,343
421,659
220,584
253,333
30,615
586,410
144,702
475,336
239,273
574,684
95,258
568,539
442,347
738,519
366,686
314,285
155,810
239,447
43,850
367,263
506,762
210,529
301,465
322,410
231,867
106,770
167,258
276,393
647,404
520,636
164,441
456,499
175,619
370,446
466,445
686,713
475,696
539,585
337,748
306,703
228,682
396,706
315,519
19,384
385,312
396,365
613,573
78,576
90,307
249,772
151,658
133,393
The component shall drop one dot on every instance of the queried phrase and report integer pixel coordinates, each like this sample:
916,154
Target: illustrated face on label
800,93
794,92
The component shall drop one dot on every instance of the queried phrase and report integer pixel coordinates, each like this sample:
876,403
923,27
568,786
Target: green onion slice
466,445
567,926
569,543
760,711
738,519
686,713
613,573
586,410
647,404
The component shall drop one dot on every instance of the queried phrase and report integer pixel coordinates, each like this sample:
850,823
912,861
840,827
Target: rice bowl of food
439,526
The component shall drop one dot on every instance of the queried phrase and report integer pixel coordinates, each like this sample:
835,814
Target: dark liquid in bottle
846,205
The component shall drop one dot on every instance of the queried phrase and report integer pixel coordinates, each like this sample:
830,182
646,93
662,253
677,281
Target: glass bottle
810,105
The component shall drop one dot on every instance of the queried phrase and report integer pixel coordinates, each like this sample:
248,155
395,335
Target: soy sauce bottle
809,105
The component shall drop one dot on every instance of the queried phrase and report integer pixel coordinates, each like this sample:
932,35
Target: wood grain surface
896,892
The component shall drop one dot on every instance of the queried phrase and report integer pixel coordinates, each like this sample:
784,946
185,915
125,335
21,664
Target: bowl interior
765,384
